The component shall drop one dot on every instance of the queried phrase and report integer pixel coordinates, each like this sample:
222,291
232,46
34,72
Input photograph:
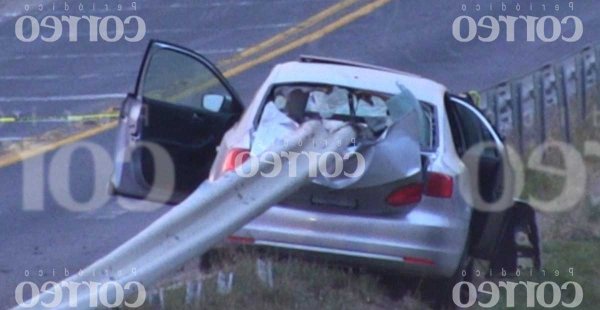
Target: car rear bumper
421,241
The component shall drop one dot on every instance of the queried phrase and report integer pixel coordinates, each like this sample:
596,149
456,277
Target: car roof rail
335,61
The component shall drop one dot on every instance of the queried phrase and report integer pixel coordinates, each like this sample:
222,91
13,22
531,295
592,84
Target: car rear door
490,175
484,154
170,126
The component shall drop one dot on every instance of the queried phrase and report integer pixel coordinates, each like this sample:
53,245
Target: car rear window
305,101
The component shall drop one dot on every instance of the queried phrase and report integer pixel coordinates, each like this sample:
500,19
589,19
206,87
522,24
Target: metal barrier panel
506,112
598,69
550,103
574,108
553,116
589,79
488,106
590,67
531,114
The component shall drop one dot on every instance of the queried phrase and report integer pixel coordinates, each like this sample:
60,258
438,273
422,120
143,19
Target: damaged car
423,202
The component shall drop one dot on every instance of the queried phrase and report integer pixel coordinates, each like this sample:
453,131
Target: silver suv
421,205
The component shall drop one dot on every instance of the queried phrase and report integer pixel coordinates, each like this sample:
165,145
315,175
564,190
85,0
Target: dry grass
298,284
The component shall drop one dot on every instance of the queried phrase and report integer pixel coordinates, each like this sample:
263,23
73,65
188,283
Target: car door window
456,130
476,130
173,77
471,126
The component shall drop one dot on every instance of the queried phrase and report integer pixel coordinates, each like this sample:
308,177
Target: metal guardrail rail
548,103
211,213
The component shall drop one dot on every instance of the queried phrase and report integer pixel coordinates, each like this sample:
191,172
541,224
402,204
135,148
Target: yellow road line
67,118
7,119
362,11
290,32
311,21
13,158
86,117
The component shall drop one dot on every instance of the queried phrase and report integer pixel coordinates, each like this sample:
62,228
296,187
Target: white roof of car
358,77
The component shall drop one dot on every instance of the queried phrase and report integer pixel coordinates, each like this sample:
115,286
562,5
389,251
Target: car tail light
418,261
439,185
234,158
405,195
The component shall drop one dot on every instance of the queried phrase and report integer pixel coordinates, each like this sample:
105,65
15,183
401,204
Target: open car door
170,126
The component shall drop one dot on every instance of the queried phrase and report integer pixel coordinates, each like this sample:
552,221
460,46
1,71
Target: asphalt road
65,77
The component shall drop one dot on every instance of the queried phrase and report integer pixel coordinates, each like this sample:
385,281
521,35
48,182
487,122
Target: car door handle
198,117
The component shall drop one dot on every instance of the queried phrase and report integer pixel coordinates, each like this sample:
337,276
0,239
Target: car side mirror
213,102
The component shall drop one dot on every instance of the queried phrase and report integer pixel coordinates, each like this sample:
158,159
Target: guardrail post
224,282
153,298
590,71
505,112
531,124
576,109
193,291
264,271
487,105
540,106
493,106
198,292
563,98
161,297
551,103
598,70
580,84
517,114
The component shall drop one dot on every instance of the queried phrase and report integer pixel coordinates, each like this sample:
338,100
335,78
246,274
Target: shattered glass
274,126
405,108
330,104
375,108
390,129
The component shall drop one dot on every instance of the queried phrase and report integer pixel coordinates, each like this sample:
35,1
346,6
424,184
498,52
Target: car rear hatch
381,171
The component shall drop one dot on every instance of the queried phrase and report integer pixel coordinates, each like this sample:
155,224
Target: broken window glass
375,106
329,104
377,111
